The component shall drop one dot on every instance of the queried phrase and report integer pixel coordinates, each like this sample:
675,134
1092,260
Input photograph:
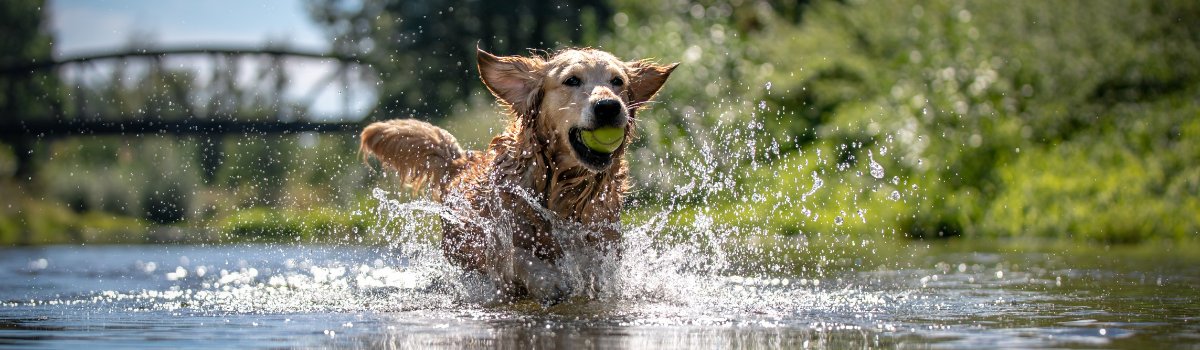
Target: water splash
665,258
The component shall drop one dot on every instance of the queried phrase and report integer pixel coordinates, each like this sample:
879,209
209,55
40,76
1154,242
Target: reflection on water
322,296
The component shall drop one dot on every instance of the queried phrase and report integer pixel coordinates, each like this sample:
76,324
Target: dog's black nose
608,113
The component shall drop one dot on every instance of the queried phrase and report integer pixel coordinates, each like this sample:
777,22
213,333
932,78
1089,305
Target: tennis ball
603,140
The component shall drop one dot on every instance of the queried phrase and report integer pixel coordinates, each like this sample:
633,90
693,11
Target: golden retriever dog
554,179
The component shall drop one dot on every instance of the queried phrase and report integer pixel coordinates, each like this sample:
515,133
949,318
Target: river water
317,296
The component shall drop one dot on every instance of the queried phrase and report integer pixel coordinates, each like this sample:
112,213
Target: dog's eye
572,81
617,81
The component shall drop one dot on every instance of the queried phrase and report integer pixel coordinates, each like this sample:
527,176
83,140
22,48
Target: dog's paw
549,286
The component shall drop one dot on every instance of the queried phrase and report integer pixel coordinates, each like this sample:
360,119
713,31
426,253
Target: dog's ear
514,79
646,79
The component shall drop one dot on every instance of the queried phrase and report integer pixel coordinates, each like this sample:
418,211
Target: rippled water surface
325,296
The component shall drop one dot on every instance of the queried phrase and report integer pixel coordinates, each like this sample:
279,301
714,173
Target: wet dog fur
535,176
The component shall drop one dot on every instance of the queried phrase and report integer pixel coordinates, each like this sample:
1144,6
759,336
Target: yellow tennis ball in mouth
603,140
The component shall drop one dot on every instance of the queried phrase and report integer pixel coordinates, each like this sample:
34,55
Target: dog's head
573,93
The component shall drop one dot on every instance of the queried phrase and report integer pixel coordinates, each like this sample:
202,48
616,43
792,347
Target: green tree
26,93
424,51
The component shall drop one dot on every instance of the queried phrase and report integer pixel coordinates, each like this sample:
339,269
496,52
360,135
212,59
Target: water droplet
762,104
817,183
895,180
876,169
914,187
883,150
837,220
806,212
894,196
768,85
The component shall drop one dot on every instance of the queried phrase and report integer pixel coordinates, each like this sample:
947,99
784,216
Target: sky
81,27
90,27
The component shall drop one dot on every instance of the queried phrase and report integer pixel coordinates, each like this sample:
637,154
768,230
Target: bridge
197,117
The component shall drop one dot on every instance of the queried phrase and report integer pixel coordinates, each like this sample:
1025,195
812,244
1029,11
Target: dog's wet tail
425,155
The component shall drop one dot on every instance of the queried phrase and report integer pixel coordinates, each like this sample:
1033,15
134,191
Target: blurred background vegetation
895,119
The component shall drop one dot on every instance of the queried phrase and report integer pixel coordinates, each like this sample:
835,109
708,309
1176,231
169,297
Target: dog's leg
542,281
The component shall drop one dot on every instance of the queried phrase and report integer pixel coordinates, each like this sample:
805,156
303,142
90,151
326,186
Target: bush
317,224
1017,118
990,119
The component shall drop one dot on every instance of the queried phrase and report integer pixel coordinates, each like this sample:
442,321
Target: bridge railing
212,117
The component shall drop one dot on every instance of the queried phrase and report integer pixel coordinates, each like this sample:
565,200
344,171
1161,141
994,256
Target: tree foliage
24,39
1017,118
424,51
